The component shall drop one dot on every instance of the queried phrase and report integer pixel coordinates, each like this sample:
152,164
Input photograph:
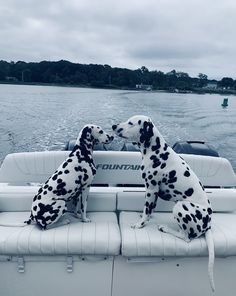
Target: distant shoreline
198,91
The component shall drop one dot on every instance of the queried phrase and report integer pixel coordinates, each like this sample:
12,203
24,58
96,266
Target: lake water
36,118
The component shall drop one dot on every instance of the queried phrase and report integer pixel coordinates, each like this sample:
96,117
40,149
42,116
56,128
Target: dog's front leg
149,205
84,200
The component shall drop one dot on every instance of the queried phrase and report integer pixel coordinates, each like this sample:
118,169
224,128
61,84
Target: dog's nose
114,127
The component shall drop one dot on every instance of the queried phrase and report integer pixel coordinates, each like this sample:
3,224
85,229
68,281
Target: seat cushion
100,237
149,241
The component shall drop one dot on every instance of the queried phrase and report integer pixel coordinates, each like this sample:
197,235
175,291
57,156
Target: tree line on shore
94,75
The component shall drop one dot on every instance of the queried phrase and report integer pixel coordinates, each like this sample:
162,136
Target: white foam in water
45,118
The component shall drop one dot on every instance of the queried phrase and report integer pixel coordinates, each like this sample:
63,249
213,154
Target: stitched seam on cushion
136,242
18,238
67,242
163,245
95,238
149,240
82,231
32,227
54,239
108,243
226,241
40,241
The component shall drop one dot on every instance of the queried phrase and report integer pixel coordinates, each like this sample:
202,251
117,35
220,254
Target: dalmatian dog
167,176
71,181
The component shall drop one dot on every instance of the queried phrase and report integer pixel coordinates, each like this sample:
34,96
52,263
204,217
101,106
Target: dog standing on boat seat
167,176
71,181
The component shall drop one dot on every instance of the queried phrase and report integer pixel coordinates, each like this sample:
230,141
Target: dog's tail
211,252
20,224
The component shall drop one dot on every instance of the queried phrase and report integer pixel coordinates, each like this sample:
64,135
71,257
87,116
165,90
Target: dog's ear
146,133
87,133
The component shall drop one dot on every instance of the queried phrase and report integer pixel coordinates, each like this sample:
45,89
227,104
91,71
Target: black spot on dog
188,217
205,221
164,156
54,177
209,210
177,192
172,174
184,227
153,182
156,161
185,220
198,215
180,214
194,218
66,171
189,192
157,146
186,174
199,228
185,208
163,166
65,164
146,133
191,234
201,186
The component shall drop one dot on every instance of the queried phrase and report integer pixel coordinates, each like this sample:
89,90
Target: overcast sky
187,35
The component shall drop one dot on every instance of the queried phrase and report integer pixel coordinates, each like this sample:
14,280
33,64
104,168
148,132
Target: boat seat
100,237
113,167
150,242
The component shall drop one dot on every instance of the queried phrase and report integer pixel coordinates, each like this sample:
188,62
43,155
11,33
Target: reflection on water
45,118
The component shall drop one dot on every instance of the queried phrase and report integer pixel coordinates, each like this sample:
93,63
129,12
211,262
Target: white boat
107,257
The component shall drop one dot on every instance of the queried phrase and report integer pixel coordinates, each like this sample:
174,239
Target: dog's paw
138,225
76,215
163,228
86,220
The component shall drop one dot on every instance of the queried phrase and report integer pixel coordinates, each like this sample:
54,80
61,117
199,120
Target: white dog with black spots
71,181
167,176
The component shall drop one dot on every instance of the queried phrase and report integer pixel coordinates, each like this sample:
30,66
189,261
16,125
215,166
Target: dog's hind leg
179,234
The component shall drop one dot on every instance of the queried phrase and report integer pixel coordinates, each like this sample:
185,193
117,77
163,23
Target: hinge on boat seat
69,264
21,264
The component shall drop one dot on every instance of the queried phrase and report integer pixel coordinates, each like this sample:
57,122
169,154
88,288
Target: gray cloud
193,36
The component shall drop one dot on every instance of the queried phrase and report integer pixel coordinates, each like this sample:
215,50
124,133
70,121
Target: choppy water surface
36,118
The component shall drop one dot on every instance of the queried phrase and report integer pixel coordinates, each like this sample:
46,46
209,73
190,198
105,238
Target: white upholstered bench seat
100,237
149,241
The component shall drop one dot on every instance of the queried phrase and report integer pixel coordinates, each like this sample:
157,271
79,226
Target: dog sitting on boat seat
70,182
167,176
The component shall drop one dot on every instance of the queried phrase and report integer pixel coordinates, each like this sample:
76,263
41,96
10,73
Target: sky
193,36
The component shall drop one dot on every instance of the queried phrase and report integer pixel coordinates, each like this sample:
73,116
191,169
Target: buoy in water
225,103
